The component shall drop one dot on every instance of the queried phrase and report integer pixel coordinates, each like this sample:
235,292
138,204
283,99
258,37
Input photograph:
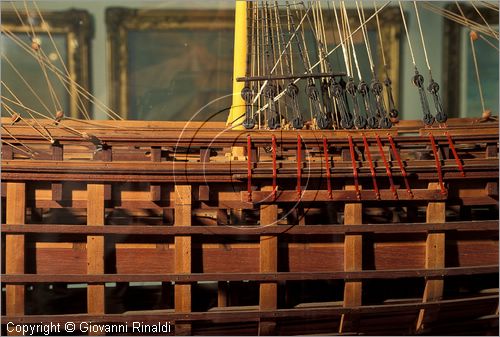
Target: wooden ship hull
349,241
341,224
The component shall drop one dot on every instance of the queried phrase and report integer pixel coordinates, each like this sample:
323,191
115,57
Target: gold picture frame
76,26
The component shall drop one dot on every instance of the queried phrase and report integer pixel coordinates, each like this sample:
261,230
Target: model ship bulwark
314,210
354,226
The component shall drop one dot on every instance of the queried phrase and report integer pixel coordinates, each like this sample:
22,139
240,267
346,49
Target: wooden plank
15,248
155,188
237,258
7,153
288,230
353,261
95,248
57,187
183,255
218,171
245,315
344,195
203,193
451,123
222,294
268,252
258,276
492,151
434,258
205,155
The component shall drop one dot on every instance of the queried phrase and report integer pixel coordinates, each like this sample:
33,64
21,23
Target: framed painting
389,31
45,61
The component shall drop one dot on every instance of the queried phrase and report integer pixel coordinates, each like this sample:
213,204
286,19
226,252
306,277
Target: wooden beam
288,230
434,258
222,294
353,261
155,188
15,247
57,187
251,315
183,255
95,248
268,294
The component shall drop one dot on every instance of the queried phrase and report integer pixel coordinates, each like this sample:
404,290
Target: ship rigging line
361,16
379,31
15,70
354,55
81,106
484,19
38,55
341,35
44,116
15,115
477,72
49,137
459,18
407,34
422,38
84,92
17,148
4,56
279,58
488,42
31,151
277,97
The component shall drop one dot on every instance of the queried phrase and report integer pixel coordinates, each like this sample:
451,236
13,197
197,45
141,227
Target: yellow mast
240,64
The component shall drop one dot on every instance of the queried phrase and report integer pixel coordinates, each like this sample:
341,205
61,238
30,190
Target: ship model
316,209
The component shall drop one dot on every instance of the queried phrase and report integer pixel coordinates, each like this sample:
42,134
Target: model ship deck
216,217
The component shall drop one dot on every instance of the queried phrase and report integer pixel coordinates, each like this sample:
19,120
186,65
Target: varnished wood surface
244,315
160,204
261,276
319,229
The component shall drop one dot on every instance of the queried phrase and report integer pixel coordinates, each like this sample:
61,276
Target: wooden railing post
57,187
183,255
353,261
434,259
15,247
95,248
155,188
268,294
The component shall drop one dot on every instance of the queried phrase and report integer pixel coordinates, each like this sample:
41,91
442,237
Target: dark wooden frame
452,53
77,25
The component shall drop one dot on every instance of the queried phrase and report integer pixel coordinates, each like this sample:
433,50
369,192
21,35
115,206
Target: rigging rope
422,38
81,106
366,41
407,34
352,41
